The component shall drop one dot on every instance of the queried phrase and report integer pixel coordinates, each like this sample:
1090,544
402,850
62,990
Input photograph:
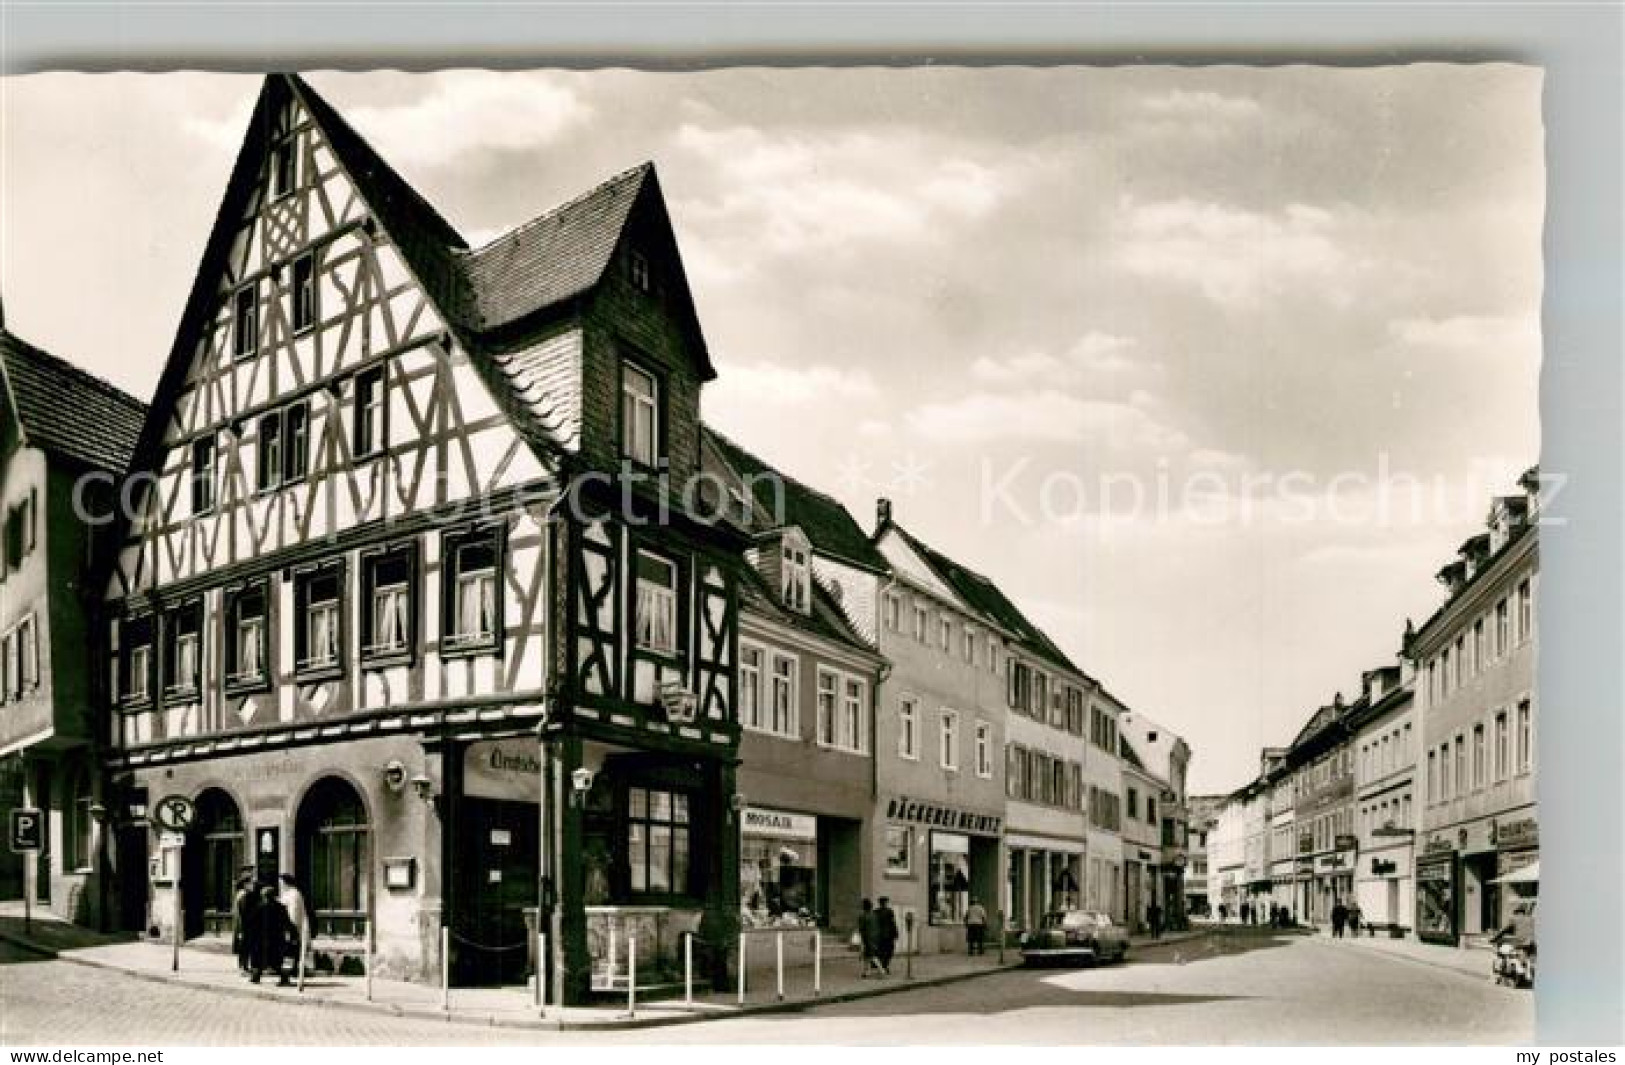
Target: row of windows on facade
1321,833
1490,638
1132,795
769,700
909,738
1032,692
20,535
1386,754
1307,780
1394,811
282,448
471,619
302,309
19,660
1500,748
1037,777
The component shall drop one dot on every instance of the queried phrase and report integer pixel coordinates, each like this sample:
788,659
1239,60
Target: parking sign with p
27,830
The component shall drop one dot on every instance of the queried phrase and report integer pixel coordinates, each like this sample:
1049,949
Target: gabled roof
825,619
555,258
66,412
983,596
1126,750
829,526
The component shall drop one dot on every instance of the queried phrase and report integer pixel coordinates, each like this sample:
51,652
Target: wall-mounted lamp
394,775
424,788
580,784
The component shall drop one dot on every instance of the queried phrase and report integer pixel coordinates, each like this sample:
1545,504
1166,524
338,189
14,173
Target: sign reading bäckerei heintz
936,815
503,769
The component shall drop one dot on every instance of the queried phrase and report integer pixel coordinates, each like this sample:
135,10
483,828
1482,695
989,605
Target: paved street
1236,987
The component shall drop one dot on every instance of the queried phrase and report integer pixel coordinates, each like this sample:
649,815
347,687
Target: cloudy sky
1211,368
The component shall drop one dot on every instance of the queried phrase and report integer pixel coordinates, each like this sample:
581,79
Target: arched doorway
331,855
211,864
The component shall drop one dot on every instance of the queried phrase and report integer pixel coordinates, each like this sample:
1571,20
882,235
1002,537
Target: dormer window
795,576
640,415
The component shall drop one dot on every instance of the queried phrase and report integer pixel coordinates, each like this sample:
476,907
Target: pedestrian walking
885,935
293,901
1340,916
274,932
975,927
245,906
866,940
1153,917
1354,918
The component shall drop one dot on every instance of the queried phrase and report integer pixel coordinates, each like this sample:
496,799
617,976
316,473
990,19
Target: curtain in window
476,605
389,618
656,611
323,633
250,646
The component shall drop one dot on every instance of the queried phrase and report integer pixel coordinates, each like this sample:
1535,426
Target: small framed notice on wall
400,873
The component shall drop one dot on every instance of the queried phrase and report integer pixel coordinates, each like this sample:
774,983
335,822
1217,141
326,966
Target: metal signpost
28,838
173,815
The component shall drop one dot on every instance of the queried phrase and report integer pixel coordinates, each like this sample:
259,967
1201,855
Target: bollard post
631,976
778,964
445,968
688,968
367,958
818,963
742,940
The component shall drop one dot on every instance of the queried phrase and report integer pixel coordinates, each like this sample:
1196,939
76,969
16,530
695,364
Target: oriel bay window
318,632
389,598
183,646
472,592
247,634
657,841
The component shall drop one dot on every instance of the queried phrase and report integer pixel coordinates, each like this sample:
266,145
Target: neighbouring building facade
1202,813
807,685
1322,769
1476,714
1142,840
940,790
1385,793
395,612
1168,756
65,437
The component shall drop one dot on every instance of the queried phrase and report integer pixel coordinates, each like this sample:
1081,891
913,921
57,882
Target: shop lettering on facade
936,816
502,769
777,824
1515,835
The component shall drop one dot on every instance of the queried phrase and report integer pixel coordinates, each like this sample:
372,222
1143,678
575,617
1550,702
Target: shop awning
1529,874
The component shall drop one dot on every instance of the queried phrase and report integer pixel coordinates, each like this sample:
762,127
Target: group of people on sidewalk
1345,918
269,927
877,936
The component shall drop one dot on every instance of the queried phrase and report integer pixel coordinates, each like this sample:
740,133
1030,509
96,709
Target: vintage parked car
1080,935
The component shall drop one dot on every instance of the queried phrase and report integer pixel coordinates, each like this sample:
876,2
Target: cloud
1045,415
1231,255
805,193
765,382
1468,334
1091,355
473,111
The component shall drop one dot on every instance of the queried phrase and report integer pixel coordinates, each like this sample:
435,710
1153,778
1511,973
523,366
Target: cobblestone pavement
1240,987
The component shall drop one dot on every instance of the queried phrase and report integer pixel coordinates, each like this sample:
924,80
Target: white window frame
908,728
945,633
795,574
894,612
948,739
1524,735
827,701
751,703
852,716
653,600
783,721
922,623
640,412
984,750
968,641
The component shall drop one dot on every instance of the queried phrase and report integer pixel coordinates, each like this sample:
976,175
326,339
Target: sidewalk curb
1430,963
477,1020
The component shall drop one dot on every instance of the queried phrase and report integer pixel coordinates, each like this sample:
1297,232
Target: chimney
882,512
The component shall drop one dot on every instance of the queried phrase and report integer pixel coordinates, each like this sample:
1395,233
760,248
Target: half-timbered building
415,603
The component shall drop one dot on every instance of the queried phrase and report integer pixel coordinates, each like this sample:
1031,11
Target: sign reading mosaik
936,815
